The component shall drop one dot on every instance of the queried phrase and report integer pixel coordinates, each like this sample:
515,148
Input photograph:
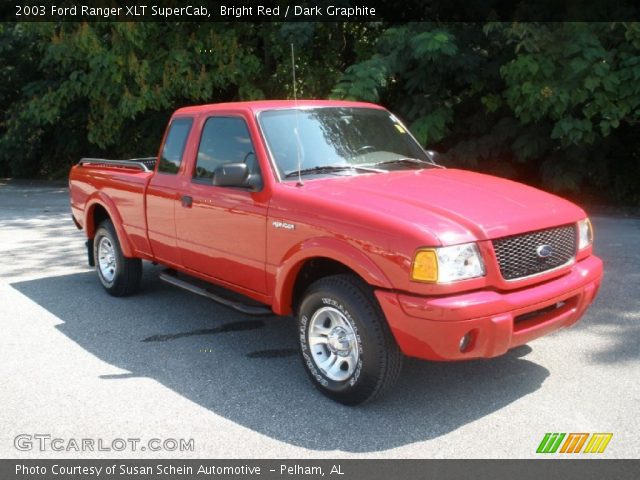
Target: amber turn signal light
425,266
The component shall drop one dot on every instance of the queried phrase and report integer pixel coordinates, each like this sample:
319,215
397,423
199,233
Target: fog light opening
466,341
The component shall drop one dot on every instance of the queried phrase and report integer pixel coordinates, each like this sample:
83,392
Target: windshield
338,137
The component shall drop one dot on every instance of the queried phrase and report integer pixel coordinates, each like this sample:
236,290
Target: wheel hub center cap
339,341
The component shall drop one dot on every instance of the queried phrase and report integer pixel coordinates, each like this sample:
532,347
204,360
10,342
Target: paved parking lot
76,363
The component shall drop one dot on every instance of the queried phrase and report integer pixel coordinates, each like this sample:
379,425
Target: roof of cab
260,105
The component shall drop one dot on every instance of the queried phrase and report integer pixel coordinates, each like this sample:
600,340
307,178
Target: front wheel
345,342
119,275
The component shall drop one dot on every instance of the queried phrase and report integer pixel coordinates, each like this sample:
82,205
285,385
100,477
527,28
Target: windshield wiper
409,160
329,169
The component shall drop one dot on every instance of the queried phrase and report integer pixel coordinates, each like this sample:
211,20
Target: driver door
221,231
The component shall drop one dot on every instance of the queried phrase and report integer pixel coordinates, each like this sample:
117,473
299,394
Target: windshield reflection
338,137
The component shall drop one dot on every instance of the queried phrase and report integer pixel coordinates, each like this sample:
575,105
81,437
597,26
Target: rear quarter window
174,145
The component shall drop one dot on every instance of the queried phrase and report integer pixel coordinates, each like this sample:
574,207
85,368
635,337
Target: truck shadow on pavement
246,369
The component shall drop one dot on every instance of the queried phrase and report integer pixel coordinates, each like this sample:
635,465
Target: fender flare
101,199
324,247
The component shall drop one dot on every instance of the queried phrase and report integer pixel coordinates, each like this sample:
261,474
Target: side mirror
231,175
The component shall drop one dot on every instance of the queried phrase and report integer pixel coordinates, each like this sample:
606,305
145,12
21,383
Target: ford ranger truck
333,213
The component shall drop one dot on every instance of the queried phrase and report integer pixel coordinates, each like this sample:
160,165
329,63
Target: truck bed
118,186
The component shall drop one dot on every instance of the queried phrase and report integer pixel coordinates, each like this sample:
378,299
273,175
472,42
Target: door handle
186,201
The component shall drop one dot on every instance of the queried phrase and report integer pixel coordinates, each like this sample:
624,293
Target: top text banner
197,12
329,10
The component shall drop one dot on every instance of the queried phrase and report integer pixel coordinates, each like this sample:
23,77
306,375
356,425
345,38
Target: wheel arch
316,259
100,208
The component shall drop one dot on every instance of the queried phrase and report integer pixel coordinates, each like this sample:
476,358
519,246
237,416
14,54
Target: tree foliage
78,89
550,103
554,104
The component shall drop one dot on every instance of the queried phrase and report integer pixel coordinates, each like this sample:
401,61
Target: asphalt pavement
78,364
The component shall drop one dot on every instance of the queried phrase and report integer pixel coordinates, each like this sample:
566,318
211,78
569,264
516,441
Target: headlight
447,264
585,234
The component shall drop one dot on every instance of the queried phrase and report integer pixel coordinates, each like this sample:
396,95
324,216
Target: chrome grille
518,254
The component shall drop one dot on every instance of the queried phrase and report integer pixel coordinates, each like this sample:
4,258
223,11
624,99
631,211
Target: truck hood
453,205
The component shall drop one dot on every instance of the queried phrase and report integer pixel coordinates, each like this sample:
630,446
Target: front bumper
431,327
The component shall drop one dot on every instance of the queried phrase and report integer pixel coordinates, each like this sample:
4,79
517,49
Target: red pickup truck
332,211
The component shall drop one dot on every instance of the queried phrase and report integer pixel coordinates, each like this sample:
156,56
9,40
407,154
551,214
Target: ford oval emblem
544,251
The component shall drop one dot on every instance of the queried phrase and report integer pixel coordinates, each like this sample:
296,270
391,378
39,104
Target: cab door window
224,140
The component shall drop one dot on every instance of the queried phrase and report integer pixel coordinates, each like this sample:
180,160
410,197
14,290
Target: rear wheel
345,342
119,275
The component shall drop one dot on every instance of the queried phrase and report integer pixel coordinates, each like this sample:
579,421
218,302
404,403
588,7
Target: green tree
553,104
549,103
80,89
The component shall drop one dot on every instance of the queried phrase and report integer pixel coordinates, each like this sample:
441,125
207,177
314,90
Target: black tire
379,360
127,272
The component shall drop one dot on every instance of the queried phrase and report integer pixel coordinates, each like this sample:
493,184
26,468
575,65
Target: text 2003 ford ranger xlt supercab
333,212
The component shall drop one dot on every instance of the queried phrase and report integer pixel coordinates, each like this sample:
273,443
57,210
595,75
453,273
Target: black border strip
582,469
319,10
